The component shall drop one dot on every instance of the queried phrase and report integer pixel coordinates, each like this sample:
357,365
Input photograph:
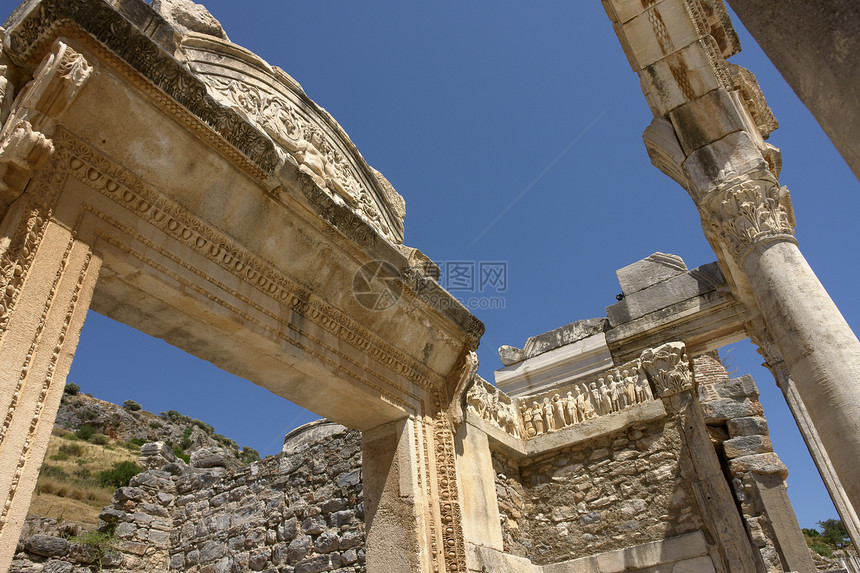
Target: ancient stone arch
167,178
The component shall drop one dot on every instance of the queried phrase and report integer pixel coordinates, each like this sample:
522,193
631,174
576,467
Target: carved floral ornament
668,368
747,212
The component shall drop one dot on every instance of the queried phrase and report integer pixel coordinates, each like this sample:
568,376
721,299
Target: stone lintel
669,285
707,119
689,552
696,308
555,367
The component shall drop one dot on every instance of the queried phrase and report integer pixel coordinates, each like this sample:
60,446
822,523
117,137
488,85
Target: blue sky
513,130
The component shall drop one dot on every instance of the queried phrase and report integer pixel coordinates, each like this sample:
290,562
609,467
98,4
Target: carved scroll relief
23,148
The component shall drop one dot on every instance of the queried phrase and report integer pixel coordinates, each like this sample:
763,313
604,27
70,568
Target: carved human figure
549,416
475,400
643,389
560,418
615,396
537,419
605,400
528,425
629,389
570,406
583,404
594,395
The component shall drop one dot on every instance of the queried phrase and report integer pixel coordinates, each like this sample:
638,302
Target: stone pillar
47,276
668,370
816,448
393,499
48,279
477,485
708,134
750,219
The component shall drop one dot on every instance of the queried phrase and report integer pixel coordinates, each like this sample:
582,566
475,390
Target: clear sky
513,130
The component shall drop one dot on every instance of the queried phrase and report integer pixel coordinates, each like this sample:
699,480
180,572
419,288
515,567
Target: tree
72,389
131,405
833,532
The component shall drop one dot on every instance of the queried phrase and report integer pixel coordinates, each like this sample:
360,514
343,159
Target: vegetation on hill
832,536
94,450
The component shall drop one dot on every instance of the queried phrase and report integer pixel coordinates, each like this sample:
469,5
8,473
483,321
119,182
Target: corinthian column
708,134
750,219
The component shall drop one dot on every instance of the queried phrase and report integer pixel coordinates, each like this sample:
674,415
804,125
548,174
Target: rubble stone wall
292,513
618,490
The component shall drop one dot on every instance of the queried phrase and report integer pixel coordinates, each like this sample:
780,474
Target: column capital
668,368
747,211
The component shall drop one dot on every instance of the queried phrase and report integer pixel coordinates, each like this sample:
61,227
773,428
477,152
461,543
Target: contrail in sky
538,178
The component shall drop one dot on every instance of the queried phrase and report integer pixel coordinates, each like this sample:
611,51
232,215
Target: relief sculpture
306,144
613,391
490,404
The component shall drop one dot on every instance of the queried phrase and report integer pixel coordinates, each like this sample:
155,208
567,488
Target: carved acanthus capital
747,212
668,368
23,146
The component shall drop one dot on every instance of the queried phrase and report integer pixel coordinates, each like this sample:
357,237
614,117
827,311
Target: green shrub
102,543
72,450
60,456
85,432
155,425
131,406
181,455
90,415
99,439
137,441
71,389
821,548
48,470
249,455
186,438
119,475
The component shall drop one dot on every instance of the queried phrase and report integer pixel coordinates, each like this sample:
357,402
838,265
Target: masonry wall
612,492
299,513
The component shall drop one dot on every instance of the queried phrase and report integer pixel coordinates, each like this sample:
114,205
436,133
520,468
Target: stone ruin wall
304,512
296,513
617,490
632,486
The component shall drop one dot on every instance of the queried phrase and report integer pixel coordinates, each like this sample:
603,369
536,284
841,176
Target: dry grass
67,488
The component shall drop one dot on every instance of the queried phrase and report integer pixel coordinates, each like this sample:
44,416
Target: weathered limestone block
47,545
747,426
651,270
186,16
765,463
746,446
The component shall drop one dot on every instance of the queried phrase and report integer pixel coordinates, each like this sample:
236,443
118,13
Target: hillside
92,438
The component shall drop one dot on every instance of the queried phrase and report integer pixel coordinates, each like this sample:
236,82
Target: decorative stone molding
749,211
56,83
668,368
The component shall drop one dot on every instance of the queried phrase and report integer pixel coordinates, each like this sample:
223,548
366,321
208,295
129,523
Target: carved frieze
748,211
668,368
488,402
610,391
